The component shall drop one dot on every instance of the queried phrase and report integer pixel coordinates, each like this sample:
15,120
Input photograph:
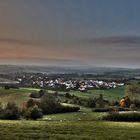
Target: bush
10,112
33,113
114,103
100,102
30,103
133,107
7,87
136,102
50,105
91,103
110,109
41,92
103,109
56,93
68,95
123,109
131,116
37,94
64,109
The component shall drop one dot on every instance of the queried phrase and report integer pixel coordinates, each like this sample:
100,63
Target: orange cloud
13,49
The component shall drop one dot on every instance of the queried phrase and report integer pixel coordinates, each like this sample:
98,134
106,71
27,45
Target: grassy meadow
82,125
69,130
17,95
111,94
22,94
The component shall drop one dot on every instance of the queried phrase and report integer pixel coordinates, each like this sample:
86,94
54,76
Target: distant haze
74,33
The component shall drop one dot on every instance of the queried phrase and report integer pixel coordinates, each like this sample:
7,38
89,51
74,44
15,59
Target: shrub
64,109
68,95
131,116
125,102
1,106
133,106
66,101
37,94
75,101
50,105
56,93
41,92
123,109
136,102
10,112
82,102
33,113
110,109
100,102
30,103
114,103
91,103
103,109
132,90
7,87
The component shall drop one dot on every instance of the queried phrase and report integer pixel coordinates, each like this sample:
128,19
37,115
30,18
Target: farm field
69,130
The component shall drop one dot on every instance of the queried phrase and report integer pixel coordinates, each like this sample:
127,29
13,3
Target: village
83,85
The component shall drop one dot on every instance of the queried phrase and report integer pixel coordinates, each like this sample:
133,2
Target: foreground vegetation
123,116
67,130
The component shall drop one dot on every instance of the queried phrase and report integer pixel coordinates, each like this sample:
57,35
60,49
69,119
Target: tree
91,102
41,92
125,102
30,103
68,95
49,104
11,111
33,113
100,101
131,90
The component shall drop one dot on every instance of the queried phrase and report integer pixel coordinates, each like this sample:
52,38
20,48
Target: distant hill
7,69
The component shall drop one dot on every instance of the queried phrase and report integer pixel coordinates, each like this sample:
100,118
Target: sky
70,32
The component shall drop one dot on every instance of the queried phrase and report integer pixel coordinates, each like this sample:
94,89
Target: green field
111,94
82,125
84,114
17,95
68,130
22,94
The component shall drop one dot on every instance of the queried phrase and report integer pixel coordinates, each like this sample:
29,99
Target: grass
22,94
111,94
17,95
84,114
82,125
68,130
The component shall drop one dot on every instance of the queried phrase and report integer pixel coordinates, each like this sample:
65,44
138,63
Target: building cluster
65,84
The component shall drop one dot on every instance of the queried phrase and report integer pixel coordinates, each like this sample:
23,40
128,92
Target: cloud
33,42
18,41
135,40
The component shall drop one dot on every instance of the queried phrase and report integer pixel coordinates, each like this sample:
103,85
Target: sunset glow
82,32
